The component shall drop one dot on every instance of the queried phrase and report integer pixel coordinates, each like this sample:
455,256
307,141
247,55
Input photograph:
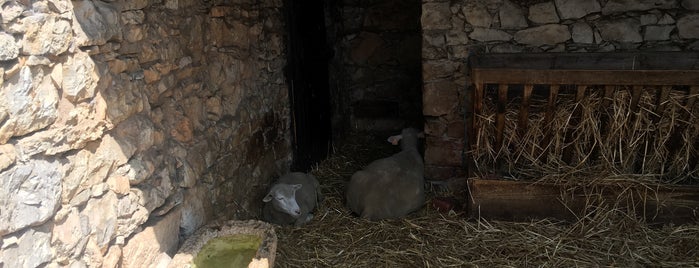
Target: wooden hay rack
566,114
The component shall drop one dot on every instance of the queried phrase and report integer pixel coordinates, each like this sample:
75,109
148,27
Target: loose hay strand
606,236
592,134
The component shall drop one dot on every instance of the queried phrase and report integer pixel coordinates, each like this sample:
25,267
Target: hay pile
427,238
658,141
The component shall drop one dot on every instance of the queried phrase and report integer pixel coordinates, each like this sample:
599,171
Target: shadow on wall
112,146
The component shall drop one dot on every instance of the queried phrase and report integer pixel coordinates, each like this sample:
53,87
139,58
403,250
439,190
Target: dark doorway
307,76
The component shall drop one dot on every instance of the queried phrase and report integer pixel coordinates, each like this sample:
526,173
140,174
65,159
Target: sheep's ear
267,198
395,139
296,186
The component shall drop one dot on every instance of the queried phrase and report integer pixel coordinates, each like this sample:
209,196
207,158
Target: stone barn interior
127,125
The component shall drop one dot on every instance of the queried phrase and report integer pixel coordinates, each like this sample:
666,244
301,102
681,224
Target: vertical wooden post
694,158
500,124
524,109
548,118
476,122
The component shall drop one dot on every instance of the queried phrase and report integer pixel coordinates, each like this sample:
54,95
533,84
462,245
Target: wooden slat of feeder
655,68
589,77
548,117
524,109
694,95
500,122
477,122
519,200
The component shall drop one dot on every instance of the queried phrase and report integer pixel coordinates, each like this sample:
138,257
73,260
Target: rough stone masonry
452,30
127,124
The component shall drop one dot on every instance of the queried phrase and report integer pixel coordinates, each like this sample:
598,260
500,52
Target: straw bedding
657,142
427,238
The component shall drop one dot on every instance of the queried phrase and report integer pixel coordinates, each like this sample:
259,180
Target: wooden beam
589,77
521,201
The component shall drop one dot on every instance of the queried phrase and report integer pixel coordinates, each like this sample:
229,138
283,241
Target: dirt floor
427,238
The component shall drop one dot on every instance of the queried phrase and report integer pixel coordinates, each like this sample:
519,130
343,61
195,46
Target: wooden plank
589,61
589,77
500,119
521,201
524,109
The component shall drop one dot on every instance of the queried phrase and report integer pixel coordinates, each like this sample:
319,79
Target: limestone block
144,249
74,128
477,15
8,156
101,214
11,10
487,34
623,30
619,6
666,19
131,214
436,16
582,33
575,9
9,48
543,13
688,26
29,248
80,77
657,33
512,16
29,100
30,193
549,34
45,35
440,98
97,22
119,184
648,19
136,170
70,234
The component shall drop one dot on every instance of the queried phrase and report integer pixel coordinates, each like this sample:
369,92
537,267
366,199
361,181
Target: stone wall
127,124
453,30
375,73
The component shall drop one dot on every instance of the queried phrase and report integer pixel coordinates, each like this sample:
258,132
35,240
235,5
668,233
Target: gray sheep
390,187
291,199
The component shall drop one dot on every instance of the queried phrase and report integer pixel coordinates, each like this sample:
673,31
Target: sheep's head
409,137
283,198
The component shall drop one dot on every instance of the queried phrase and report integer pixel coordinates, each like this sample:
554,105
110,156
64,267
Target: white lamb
390,187
291,199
